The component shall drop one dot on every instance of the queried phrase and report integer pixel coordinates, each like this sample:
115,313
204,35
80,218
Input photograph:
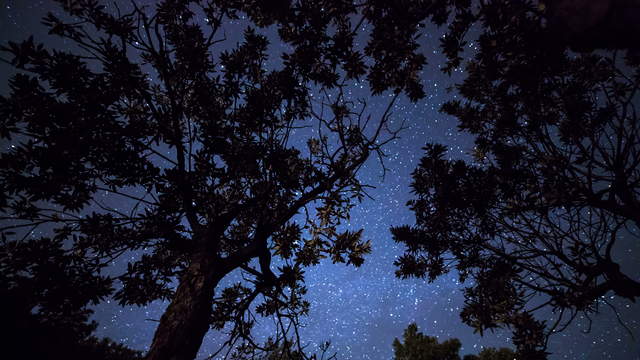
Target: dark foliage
588,25
153,135
417,346
534,221
287,350
51,335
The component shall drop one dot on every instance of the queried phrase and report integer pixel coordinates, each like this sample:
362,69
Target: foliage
43,336
417,346
154,138
534,220
286,351
492,354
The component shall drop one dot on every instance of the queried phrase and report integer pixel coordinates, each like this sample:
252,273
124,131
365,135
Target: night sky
362,310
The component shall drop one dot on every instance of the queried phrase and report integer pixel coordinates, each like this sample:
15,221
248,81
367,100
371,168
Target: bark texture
185,322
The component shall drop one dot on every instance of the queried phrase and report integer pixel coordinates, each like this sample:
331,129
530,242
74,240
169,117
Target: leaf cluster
533,221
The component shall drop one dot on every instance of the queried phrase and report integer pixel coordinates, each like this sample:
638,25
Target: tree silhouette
594,24
534,221
286,351
417,346
492,354
155,138
42,336
45,313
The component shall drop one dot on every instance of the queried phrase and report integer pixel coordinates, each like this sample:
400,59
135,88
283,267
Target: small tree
535,220
39,335
155,135
418,346
492,354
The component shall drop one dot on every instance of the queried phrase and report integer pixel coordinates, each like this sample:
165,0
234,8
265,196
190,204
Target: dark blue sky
362,310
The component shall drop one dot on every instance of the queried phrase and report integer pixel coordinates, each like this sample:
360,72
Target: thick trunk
185,322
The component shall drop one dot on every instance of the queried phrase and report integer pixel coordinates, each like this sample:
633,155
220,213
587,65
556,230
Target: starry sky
362,310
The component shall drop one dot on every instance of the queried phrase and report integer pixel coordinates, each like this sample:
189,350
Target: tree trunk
185,322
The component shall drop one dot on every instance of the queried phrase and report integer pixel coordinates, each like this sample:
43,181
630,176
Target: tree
535,219
492,354
418,346
40,336
594,24
43,319
285,352
154,137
